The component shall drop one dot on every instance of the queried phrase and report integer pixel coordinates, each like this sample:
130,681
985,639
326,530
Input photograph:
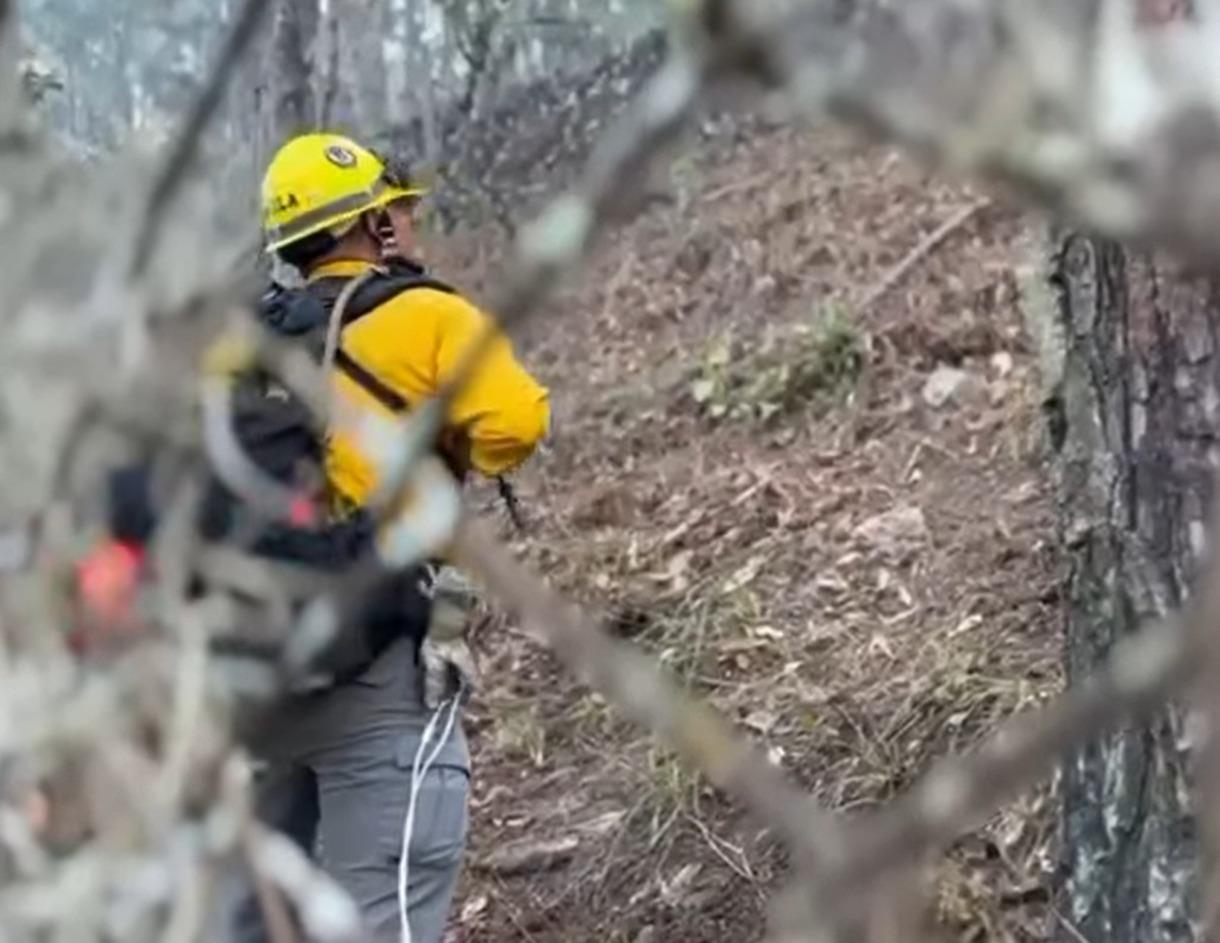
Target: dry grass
862,581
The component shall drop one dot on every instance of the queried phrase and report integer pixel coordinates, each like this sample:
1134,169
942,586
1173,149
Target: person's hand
448,664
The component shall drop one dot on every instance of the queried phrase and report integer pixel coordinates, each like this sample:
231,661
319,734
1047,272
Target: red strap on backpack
107,585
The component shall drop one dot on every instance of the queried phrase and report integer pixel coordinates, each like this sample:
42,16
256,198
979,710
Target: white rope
418,773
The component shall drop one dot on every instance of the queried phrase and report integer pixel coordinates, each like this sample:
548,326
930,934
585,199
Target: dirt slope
748,477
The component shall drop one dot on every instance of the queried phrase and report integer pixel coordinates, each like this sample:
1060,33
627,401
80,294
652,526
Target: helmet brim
385,198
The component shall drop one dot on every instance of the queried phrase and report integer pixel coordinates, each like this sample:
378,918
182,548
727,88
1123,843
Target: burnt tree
1134,407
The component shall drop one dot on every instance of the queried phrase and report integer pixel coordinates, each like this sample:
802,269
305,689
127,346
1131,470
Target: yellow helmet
318,182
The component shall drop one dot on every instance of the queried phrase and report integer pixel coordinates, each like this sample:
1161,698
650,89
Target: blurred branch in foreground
1089,117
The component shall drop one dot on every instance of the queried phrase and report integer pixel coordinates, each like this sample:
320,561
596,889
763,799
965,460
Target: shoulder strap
396,277
382,392
380,290
392,279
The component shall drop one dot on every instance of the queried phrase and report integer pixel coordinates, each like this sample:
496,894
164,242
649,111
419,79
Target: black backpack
273,426
279,433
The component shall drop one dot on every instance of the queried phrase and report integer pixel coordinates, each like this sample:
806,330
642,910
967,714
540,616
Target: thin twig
173,171
190,696
189,905
1069,927
273,905
932,242
737,186
325,910
240,473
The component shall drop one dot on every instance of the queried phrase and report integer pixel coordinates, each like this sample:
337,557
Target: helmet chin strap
378,225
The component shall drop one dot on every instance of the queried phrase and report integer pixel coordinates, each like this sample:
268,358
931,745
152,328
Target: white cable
418,773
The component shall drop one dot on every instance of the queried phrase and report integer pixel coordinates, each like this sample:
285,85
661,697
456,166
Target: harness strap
335,327
380,391
357,297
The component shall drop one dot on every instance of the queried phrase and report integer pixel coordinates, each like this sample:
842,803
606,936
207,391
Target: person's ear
368,222
377,224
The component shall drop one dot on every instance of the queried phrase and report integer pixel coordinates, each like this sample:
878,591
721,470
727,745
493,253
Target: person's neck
364,258
338,258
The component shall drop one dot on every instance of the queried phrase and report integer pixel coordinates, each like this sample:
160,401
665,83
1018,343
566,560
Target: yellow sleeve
502,411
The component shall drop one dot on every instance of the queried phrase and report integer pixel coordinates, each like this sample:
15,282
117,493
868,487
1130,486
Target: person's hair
305,252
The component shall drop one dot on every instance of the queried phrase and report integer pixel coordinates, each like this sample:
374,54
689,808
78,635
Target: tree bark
1133,412
422,69
411,107
294,107
124,81
357,68
10,54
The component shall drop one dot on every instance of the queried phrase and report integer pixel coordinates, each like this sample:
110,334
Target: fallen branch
737,186
529,856
930,244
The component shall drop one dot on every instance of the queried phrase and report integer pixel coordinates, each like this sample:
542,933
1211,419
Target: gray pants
339,769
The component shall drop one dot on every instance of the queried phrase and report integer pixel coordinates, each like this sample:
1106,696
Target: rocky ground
797,456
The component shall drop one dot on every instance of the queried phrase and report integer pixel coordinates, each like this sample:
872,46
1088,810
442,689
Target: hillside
813,489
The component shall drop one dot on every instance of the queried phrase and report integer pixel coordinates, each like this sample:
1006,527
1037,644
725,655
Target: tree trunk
358,37
411,104
1133,411
10,54
423,69
124,71
293,101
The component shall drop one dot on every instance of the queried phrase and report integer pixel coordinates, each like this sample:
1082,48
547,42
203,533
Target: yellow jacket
412,343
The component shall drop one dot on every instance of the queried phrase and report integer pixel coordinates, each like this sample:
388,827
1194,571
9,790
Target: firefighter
376,766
